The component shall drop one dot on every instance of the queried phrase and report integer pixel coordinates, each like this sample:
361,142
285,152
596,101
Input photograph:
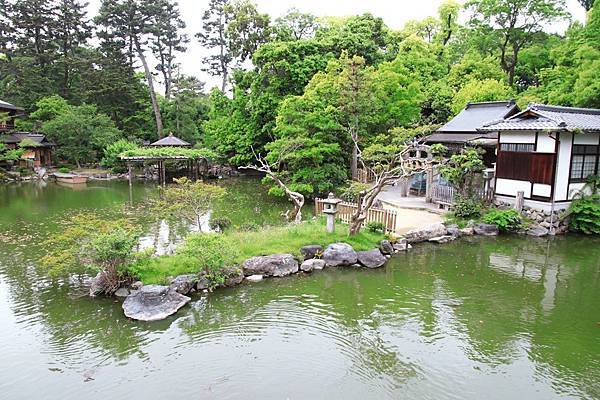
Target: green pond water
493,318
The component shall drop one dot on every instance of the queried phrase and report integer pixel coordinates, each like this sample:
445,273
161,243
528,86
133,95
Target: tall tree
213,37
133,21
72,32
167,40
295,25
587,4
512,24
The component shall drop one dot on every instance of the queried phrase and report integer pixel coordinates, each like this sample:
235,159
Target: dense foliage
314,85
584,212
507,220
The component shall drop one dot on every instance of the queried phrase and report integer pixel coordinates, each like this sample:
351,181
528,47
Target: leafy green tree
80,132
476,91
510,25
188,200
295,25
112,152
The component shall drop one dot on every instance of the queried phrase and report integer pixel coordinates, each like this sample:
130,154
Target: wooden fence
345,211
365,176
442,194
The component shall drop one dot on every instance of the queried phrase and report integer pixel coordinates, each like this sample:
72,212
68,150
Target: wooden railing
345,210
365,176
442,194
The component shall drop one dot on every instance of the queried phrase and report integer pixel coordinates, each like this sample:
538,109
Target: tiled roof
549,118
7,106
459,137
475,115
170,141
17,137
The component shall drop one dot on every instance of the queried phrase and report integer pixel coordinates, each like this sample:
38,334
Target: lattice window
585,161
517,147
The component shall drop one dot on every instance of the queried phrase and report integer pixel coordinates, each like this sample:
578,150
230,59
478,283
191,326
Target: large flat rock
425,233
273,265
153,303
371,258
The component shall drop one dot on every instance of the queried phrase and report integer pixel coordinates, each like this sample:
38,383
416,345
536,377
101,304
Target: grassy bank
234,247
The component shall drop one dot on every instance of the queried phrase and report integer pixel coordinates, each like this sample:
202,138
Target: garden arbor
169,149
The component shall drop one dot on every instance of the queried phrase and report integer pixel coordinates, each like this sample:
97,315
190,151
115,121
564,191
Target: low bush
467,208
249,227
585,215
507,220
375,226
220,224
64,170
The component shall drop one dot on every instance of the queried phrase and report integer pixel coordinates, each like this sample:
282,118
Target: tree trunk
155,106
354,161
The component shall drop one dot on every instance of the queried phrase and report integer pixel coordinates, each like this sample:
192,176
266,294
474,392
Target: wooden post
519,201
429,186
164,174
129,174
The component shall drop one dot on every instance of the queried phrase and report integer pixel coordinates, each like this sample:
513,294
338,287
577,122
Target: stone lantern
330,208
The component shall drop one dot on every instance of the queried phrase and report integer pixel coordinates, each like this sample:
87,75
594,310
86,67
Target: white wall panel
586,138
563,166
510,187
517,137
541,190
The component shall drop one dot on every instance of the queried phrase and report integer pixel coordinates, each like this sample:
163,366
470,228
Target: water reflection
494,318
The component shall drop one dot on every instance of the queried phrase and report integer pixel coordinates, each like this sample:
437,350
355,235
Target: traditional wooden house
547,152
8,113
463,129
38,149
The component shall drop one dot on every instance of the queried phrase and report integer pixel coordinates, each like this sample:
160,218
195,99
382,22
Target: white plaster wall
563,166
539,205
541,190
545,143
587,138
511,187
517,137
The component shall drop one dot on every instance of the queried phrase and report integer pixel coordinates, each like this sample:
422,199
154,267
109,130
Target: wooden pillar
129,174
164,174
519,201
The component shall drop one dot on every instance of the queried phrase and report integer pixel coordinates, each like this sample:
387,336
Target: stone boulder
401,245
537,231
273,265
386,247
254,278
122,292
339,255
203,282
442,239
233,276
467,231
454,230
184,284
311,251
486,229
425,233
153,303
312,264
371,258
100,285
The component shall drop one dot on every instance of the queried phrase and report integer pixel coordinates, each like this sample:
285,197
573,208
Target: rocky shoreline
155,302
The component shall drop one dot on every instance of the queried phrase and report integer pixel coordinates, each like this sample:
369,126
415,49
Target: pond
495,318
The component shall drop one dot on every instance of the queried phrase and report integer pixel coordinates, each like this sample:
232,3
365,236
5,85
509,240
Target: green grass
269,240
289,239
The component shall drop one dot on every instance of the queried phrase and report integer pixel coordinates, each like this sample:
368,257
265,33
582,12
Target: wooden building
38,149
8,113
463,130
547,152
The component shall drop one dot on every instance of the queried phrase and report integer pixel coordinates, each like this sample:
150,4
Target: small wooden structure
345,210
70,178
195,167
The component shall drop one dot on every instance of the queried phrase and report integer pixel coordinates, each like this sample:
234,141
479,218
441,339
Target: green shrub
585,215
64,170
212,251
112,152
249,227
467,208
376,226
220,224
506,220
